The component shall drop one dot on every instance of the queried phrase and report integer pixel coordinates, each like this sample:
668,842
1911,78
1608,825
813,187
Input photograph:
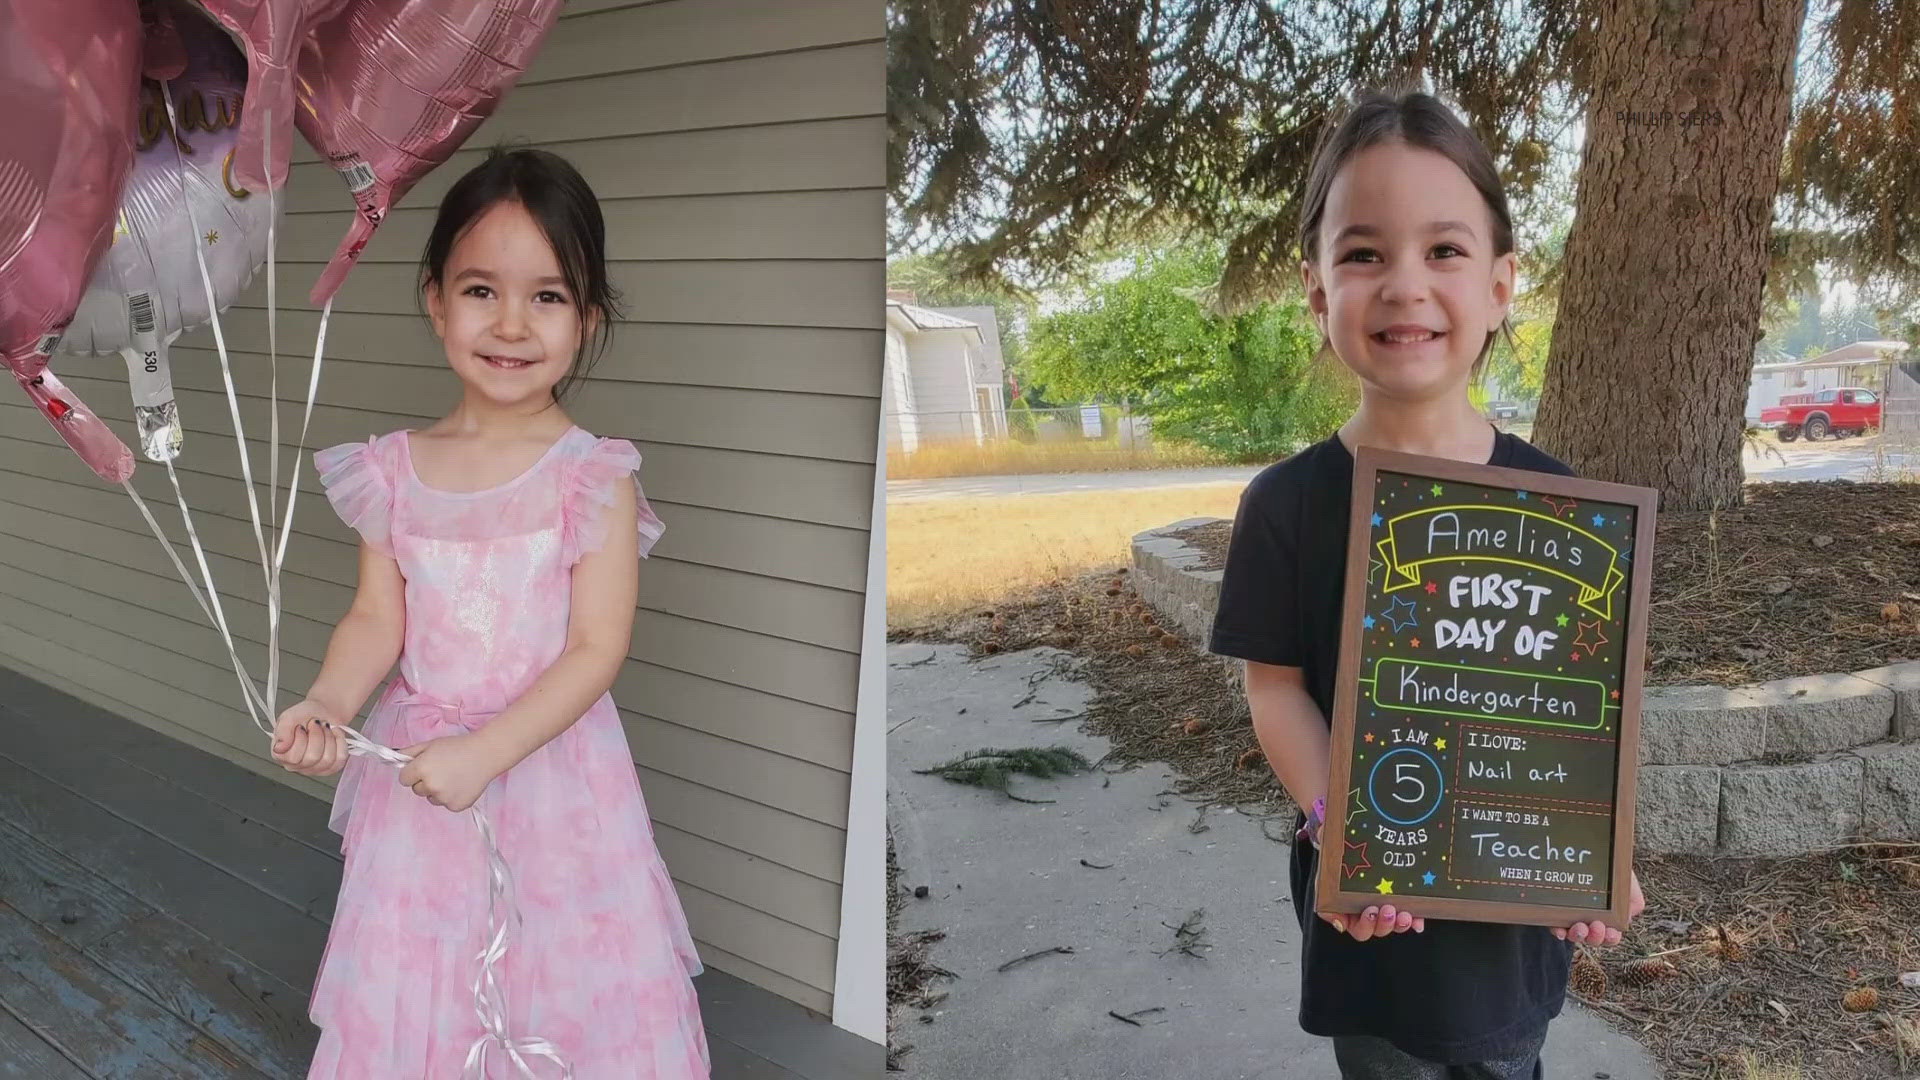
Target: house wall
990,370
943,381
738,149
1767,388
896,395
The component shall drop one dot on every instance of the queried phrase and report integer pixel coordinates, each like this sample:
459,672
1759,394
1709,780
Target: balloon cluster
148,143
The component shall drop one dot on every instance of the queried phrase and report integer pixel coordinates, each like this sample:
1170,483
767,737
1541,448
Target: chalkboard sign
1486,716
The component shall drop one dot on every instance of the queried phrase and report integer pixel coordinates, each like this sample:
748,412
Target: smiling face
1406,285
502,309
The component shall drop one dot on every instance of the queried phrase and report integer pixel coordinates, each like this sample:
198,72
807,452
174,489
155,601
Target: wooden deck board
25,1055
111,1029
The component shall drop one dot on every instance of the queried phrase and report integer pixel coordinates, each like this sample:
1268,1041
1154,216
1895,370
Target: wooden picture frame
1331,895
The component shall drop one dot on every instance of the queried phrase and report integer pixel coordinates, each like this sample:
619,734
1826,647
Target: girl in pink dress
499,564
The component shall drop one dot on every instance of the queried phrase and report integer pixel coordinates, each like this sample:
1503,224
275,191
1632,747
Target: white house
943,376
1860,364
992,372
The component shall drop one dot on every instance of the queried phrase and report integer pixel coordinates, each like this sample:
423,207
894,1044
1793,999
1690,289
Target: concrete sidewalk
1007,879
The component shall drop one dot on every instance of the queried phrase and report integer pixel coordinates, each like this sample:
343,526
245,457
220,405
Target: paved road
1851,459
1107,870
1830,459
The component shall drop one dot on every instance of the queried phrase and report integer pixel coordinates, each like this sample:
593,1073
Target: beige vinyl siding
737,146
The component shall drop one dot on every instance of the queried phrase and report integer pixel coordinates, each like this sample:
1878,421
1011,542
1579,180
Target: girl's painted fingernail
1340,925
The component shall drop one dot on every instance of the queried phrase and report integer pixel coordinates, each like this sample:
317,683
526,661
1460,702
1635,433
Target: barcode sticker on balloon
140,306
50,342
358,174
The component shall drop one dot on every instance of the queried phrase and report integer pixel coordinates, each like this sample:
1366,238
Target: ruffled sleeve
358,485
588,493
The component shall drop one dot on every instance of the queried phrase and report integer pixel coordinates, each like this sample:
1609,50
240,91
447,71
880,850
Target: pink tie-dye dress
600,961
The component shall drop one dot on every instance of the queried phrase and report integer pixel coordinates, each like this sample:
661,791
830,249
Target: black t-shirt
1462,991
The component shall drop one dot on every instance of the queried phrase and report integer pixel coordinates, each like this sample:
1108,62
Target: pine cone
1136,650
1647,969
1248,760
1861,999
1195,726
1113,590
1588,978
1171,641
990,647
1146,618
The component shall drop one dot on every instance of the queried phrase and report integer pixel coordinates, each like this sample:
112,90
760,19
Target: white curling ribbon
488,999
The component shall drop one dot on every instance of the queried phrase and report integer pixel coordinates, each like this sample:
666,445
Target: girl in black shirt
1409,267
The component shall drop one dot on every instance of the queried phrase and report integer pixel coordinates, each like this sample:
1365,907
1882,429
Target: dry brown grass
946,556
1753,1068
1011,457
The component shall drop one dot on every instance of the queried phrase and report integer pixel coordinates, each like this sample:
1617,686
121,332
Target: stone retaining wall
1778,768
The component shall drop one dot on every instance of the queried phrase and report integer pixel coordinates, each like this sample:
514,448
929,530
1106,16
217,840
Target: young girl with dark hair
1407,257
499,564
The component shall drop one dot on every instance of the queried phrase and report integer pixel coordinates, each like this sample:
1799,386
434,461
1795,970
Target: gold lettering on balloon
226,177
194,111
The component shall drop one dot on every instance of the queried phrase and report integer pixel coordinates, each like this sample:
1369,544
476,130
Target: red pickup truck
1846,410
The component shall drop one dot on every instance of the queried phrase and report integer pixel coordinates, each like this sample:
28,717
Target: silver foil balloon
147,290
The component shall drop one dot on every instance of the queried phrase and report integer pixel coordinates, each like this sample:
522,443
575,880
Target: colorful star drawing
1575,656
1581,642
1367,623
1415,642
1401,622
1376,521
1616,695
1558,506
1432,587
1560,619
1368,736
1436,489
1440,744
1363,864
1626,554
1385,888
1598,521
1374,566
1427,878
1359,807
1521,495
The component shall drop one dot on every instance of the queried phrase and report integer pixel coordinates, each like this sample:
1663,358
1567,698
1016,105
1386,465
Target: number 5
1400,777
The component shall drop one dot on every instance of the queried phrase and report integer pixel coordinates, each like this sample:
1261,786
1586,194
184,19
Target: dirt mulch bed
1804,932
1805,579
1789,961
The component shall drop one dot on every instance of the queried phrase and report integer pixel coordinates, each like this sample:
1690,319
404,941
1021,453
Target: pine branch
995,768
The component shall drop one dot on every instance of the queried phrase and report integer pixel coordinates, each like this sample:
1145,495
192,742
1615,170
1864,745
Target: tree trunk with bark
1661,302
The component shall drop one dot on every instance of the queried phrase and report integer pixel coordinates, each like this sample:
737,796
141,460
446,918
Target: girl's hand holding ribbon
310,740
450,771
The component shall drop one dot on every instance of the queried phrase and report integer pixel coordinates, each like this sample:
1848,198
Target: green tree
1245,384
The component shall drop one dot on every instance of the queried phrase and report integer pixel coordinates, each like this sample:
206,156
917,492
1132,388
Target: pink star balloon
69,78
389,89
